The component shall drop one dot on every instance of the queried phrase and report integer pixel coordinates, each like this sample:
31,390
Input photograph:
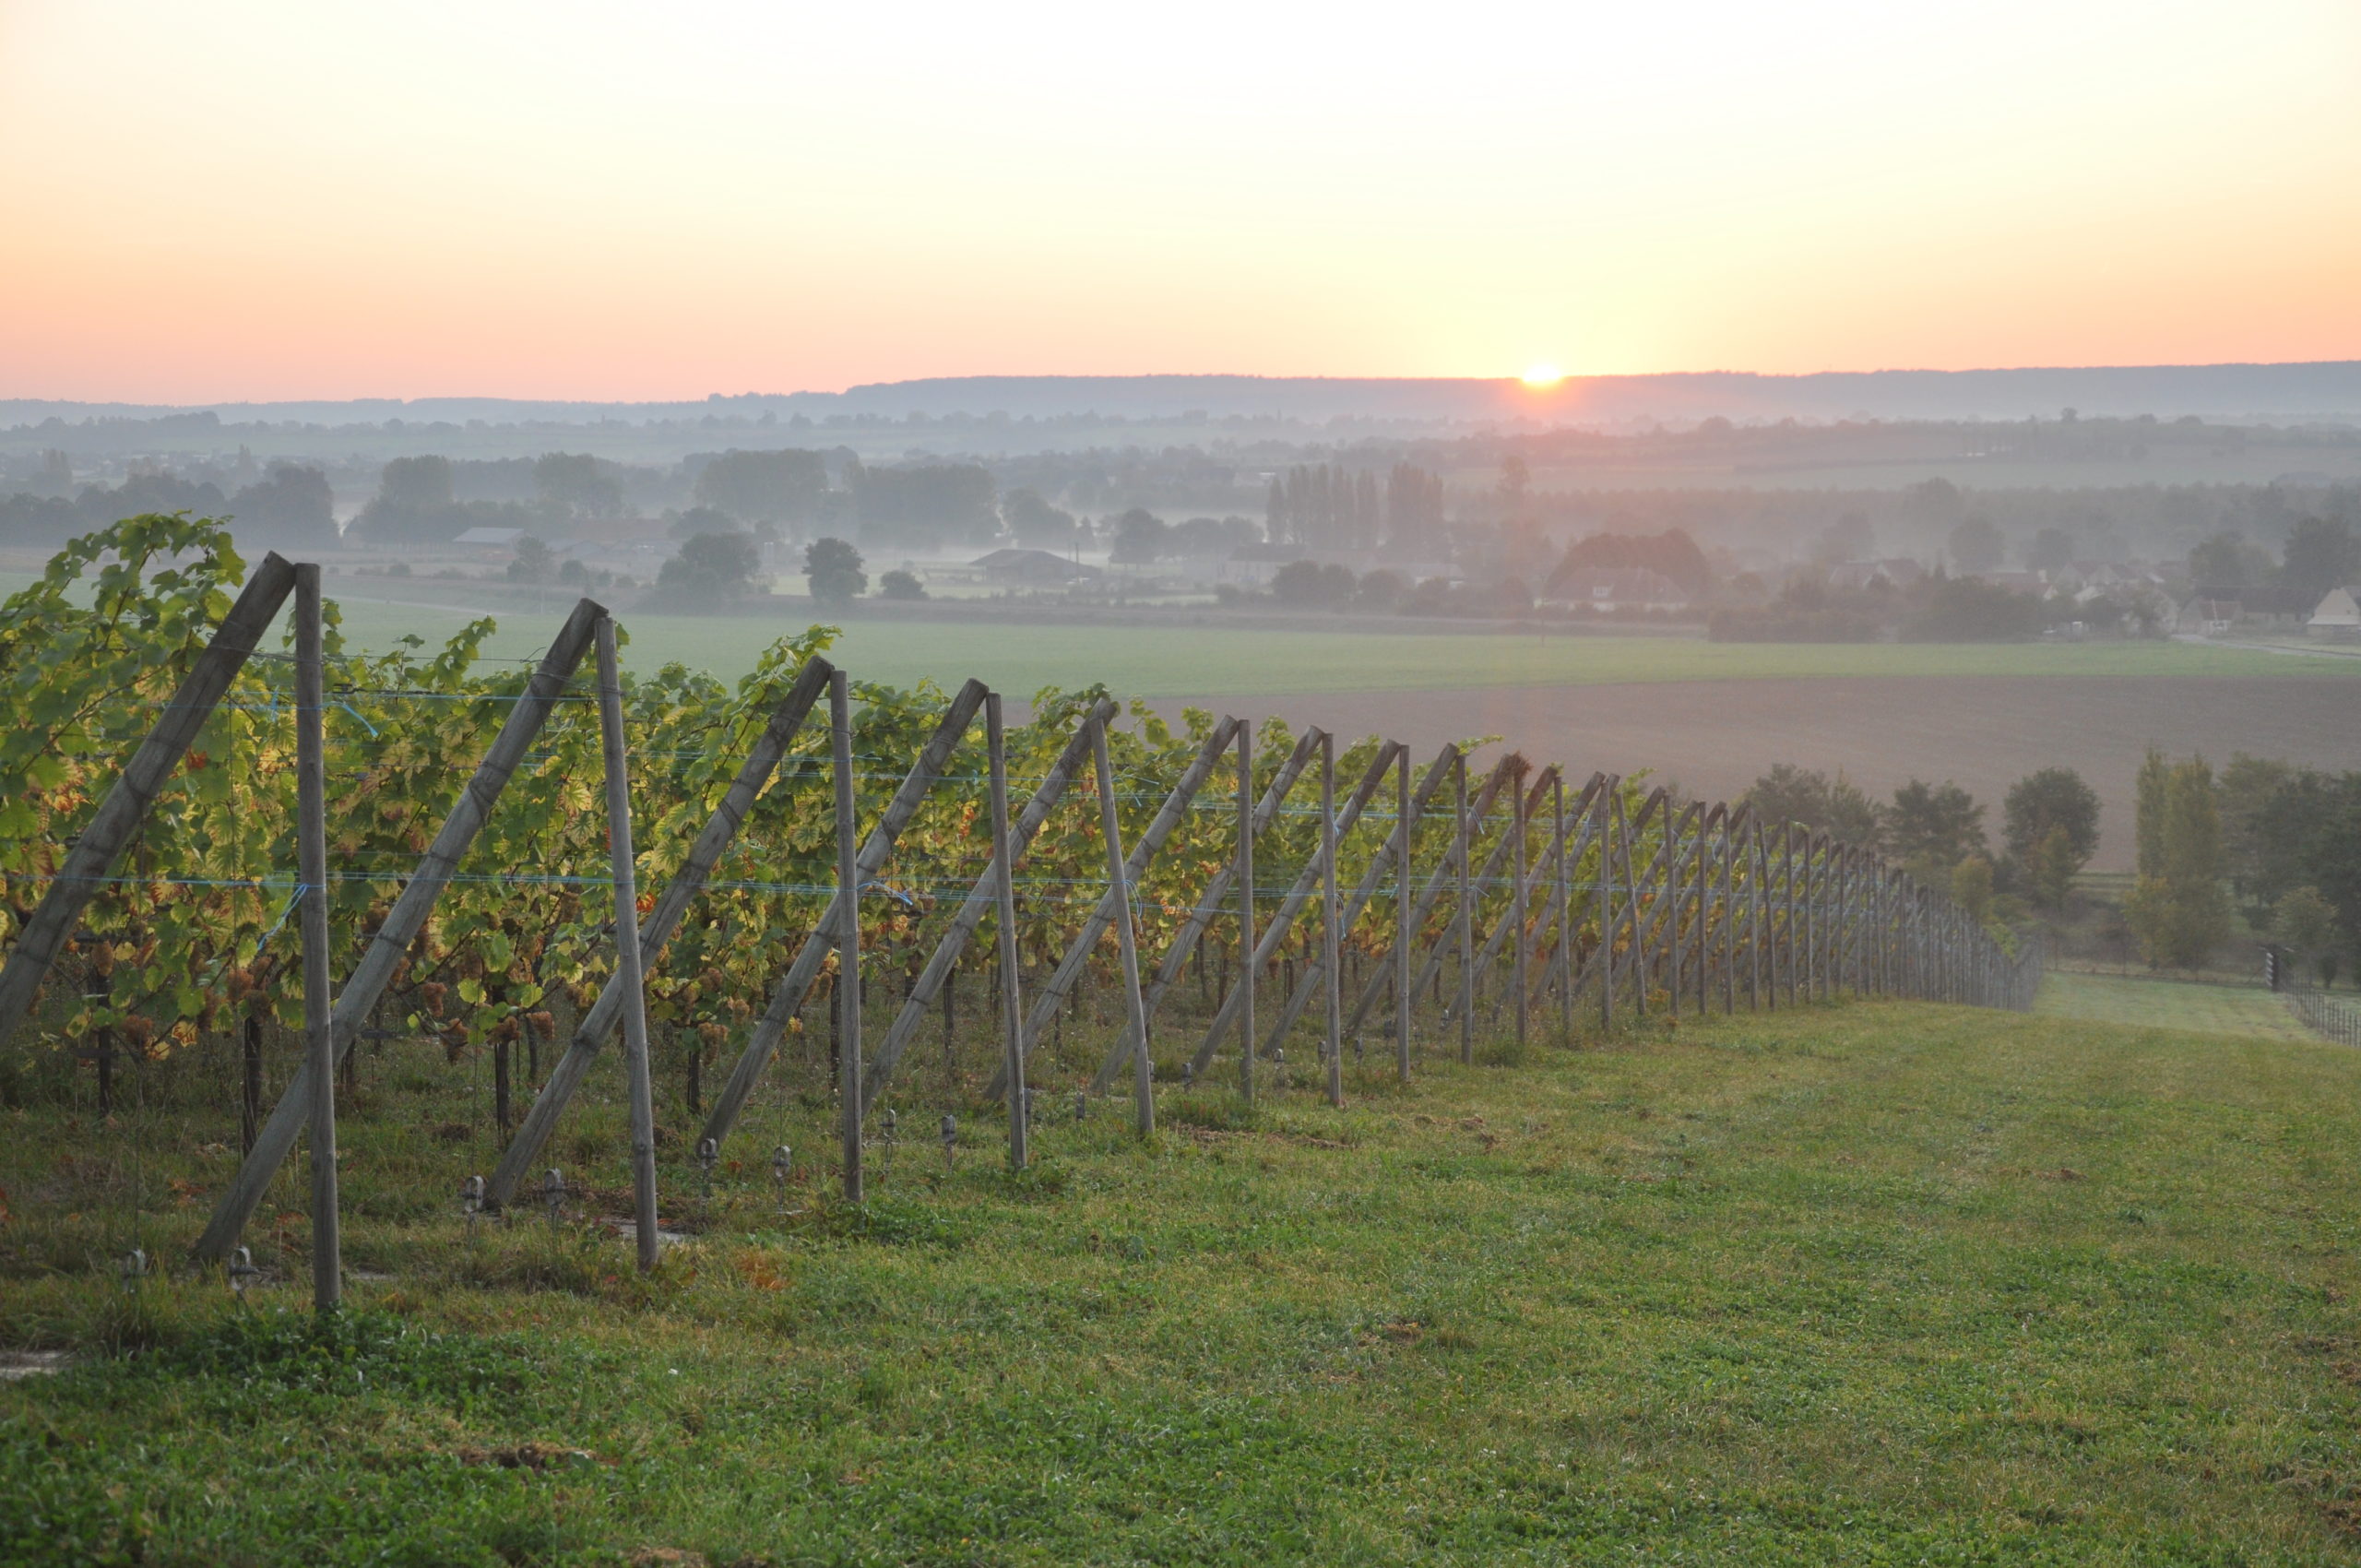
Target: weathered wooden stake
1403,873
1246,910
1111,828
1466,921
1330,957
619,849
847,901
311,867
1012,1012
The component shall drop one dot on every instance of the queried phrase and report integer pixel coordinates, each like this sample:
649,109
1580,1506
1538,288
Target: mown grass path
1881,1283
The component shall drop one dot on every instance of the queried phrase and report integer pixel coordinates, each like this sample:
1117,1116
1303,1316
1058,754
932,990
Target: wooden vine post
1465,926
849,1066
1331,952
627,964
1402,899
1111,828
1011,1010
311,870
1246,911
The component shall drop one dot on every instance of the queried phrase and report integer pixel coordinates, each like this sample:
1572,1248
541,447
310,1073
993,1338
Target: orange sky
272,200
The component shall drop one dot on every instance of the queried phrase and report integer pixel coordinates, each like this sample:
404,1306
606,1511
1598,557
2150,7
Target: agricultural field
1148,658
1879,1282
2155,1003
1716,737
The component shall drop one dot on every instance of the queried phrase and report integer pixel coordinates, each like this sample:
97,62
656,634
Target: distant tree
1813,799
704,519
1298,583
1672,555
415,484
1336,584
1964,610
900,585
1515,480
2049,870
2051,548
1275,510
1848,537
1934,502
2305,923
1934,824
1034,521
1975,544
1971,887
2053,800
2182,912
534,563
1139,538
2227,560
55,474
711,567
2150,790
577,484
1379,591
2248,786
1209,538
785,487
2322,553
926,503
290,506
833,567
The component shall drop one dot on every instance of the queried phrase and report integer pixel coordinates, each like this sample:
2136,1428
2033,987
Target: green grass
1878,1284
2167,1004
1151,659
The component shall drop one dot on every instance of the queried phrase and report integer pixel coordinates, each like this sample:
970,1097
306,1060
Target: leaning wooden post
1563,896
592,1033
628,959
1330,948
1012,1012
390,943
848,932
311,867
1518,910
1755,905
1402,810
1246,911
1466,922
1111,828
1729,915
120,814
1615,847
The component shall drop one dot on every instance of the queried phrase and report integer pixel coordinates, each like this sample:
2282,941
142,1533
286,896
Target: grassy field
2167,1004
1874,1284
1151,659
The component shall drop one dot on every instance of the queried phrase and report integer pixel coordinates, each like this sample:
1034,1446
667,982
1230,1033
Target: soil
1714,737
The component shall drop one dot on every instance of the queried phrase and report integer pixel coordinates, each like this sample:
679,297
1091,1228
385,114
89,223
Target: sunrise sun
1541,377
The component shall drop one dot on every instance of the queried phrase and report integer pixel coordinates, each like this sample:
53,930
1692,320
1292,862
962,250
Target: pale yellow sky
259,199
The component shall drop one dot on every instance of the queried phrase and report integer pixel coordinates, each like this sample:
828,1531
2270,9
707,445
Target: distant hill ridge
2325,390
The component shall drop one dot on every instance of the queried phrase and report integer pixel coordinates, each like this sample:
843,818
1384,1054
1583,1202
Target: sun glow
1541,377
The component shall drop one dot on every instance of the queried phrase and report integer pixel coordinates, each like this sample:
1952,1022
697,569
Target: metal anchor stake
242,1272
782,1160
553,1195
133,1268
893,1136
950,1142
471,1202
708,1151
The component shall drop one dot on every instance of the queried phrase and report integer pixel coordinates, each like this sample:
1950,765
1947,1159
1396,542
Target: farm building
2337,618
2207,617
1614,588
1895,572
1032,568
